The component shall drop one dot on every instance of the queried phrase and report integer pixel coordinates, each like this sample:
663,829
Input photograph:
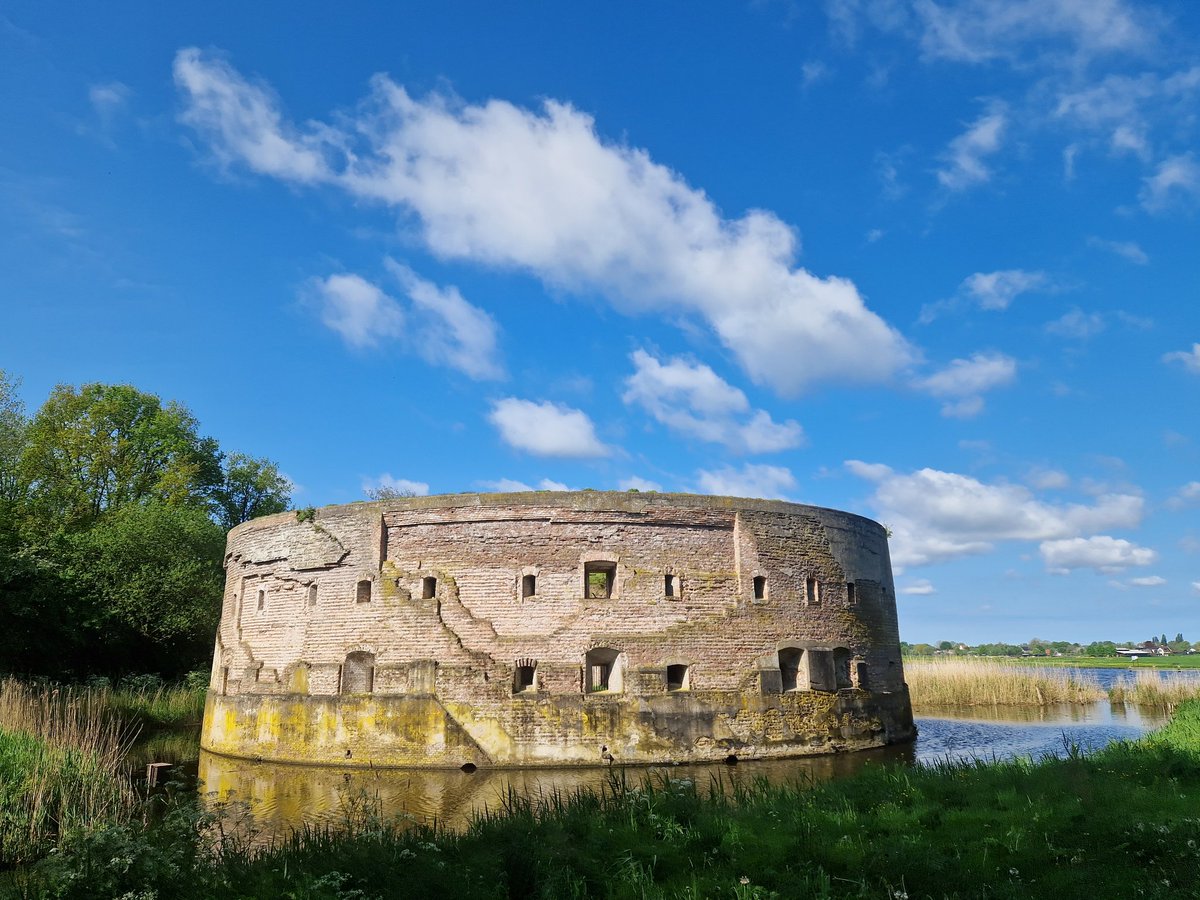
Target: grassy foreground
1122,822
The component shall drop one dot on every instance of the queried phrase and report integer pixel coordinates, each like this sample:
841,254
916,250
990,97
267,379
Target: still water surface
274,798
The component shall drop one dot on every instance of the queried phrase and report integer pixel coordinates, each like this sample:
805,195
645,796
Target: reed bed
1161,690
61,758
944,683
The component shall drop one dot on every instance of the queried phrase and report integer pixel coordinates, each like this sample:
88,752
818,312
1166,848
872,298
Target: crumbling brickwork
556,629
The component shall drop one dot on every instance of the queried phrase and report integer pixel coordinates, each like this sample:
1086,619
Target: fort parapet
556,629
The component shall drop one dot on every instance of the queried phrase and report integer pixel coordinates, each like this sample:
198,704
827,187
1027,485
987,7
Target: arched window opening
528,586
358,673
428,587
363,591
598,580
862,678
851,594
790,659
678,677
760,587
841,668
602,670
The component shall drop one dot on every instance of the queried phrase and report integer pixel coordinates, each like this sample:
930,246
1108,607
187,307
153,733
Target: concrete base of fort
427,732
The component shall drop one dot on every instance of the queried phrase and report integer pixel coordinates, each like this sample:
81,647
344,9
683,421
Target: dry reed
61,758
979,682
1162,690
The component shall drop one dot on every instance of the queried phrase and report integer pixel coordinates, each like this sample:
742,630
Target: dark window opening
528,585
262,599
524,679
789,668
428,587
312,595
363,591
760,587
598,580
862,680
677,677
851,594
813,591
671,585
841,668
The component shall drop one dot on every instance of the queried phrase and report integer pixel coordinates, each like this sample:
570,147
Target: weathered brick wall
301,595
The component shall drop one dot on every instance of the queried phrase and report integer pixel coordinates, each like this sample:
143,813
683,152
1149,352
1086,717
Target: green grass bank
1122,822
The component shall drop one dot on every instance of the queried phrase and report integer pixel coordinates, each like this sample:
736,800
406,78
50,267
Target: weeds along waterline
1156,689
951,682
1121,822
62,751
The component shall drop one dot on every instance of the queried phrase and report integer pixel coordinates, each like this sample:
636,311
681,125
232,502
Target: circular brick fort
545,629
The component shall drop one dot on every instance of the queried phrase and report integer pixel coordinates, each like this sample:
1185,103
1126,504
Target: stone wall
556,628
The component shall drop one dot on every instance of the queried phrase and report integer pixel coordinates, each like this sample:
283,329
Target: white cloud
1190,360
1126,249
996,290
1075,323
962,382
1101,553
441,327
357,310
919,588
546,429
634,483
540,191
980,31
769,482
1148,581
450,331
1048,480
510,486
937,516
1175,181
401,486
963,159
1196,586
1188,495
1122,104
692,399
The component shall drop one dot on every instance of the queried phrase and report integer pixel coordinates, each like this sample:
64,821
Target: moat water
272,798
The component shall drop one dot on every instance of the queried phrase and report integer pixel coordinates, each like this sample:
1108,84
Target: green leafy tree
249,488
153,580
101,447
1100,648
13,430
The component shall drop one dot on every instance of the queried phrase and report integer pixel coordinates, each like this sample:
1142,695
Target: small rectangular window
671,586
813,592
528,585
851,594
428,587
363,591
524,679
598,580
262,599
760,587
312,595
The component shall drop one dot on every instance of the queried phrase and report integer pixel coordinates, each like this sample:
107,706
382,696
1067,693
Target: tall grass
1161,690
61,755
979,682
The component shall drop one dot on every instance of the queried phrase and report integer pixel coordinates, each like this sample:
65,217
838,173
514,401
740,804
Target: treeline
113,512
1038,647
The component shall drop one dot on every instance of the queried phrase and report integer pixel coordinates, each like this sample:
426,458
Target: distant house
1145,648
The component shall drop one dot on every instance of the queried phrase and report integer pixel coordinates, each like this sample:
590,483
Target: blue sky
935,262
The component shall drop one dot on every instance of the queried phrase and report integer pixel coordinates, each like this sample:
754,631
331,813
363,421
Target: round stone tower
556,629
